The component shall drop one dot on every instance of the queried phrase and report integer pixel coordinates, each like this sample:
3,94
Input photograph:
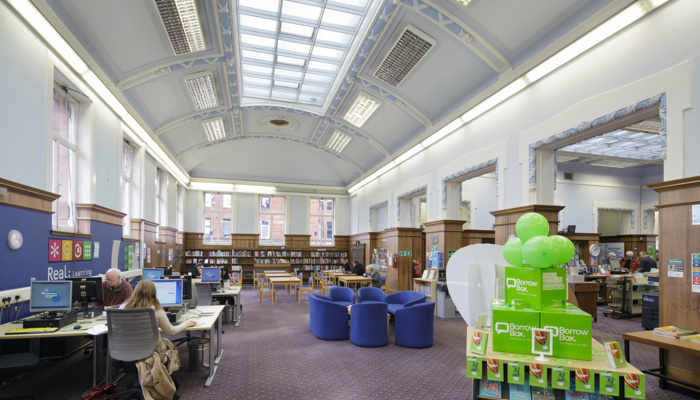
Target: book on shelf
490,388
520,391
672,331
542,393
691,338
615,358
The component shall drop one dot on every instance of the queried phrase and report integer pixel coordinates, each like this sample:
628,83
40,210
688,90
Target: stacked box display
571,330
511,328
536,288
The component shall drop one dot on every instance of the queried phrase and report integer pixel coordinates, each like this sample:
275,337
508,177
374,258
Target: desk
598,364
235,292
288,281
100,367
269,274
333,276
208,322
663,343
355,280
587,296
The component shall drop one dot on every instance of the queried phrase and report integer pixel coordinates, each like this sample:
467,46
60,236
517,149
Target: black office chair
133,335
13,367
192,304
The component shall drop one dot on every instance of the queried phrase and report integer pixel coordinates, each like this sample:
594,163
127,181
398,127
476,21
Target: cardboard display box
536,288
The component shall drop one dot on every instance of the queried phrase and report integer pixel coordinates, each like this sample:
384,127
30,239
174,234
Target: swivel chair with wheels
14,366
132,335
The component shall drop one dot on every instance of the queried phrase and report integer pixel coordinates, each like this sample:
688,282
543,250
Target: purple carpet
273,355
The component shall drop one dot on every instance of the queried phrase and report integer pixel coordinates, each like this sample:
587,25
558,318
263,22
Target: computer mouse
77,327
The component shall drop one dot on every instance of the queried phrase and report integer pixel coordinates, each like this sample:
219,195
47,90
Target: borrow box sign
537,288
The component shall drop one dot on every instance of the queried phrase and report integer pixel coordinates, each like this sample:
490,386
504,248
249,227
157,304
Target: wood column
447,234
506,219
92,212
371,240
23,196
399,277
477,236
678,238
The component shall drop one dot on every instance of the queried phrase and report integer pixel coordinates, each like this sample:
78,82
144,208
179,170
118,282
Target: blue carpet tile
273,355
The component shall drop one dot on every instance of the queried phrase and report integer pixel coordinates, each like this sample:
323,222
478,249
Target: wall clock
595,250
14,239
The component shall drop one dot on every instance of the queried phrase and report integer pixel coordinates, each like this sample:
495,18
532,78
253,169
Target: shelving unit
428,287
305,261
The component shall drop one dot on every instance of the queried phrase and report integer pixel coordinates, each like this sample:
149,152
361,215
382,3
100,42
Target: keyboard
22,331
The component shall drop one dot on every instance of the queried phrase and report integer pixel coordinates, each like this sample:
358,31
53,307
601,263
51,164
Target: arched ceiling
473,46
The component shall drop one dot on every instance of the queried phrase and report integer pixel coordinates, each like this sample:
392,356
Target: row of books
209,261
275,253
336,254
423,288
494,390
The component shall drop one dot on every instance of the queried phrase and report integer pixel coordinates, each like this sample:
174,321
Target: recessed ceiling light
361,109
202,91
214,128
337,141
181,21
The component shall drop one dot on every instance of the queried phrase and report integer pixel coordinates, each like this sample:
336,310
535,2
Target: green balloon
566,248
540,252
530,225
513,252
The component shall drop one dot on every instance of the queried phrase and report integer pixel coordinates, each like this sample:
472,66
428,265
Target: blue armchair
327,320
403,299
368,324
369,293
342,295
414,325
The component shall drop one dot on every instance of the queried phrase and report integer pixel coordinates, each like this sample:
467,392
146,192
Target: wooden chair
267,288
318,278
307,289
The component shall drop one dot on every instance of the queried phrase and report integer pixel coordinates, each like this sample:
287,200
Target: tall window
127,154
161,200
321,223
217,218
64,154
272,215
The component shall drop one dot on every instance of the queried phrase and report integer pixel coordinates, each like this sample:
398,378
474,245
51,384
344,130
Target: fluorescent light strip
446,130
220,187
362,108
494,100
410,153
255,189
338,141
385,169
202,91
214,128
363,182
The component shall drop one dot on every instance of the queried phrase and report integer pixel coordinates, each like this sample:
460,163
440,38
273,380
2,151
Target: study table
287,281
235,292
663,343
355,280
208,318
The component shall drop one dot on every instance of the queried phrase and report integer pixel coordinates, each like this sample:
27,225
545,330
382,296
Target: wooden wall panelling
244,241
585,240
448,234
342,243
371,240
23,196
678,238
86,213
149,239
506,219
477,236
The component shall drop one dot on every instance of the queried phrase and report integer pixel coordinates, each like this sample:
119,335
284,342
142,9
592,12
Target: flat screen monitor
211,275
168,292
52,296
152,273
614,265
87,289
186,285
571,229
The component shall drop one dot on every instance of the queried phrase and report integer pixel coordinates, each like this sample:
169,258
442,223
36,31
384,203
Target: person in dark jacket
646,263
345,265
358,269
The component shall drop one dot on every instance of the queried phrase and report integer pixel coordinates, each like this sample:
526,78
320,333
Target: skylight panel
352,3
264,5
299,10
256,55
326,52
293,47
291,61
325,35
256,69
257,81
312,89
288,74
361,109
322,66
297,30
284,84
284,95
339,18
264,24
310,98
258,41
255,92
318,78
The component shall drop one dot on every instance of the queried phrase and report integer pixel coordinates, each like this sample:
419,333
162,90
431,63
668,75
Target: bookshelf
428,287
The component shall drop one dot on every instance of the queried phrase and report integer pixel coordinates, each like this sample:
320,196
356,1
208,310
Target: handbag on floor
99,392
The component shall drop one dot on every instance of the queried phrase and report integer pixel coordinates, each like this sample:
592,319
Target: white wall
481,192
245,211
342,216
298,216
616,74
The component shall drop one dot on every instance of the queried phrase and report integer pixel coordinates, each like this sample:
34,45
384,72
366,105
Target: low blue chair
368,324
327,320
403,299
307,289
414,325
342,295
369,293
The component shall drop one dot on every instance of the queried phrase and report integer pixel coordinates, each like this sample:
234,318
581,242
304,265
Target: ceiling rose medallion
277,123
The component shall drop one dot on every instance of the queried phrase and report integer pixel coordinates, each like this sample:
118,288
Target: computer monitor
571,229
51,296
152,273
169,292
186,285
87,290
614,265
211,275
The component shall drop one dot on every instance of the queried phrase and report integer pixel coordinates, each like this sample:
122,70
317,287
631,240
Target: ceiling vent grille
411,46
652,125
181,22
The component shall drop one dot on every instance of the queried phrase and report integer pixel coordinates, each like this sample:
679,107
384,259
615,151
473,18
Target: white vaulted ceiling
286,72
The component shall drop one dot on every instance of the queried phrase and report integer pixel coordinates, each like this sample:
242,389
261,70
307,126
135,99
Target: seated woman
374,274
145,296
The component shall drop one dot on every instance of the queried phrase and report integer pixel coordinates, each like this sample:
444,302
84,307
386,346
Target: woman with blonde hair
145,296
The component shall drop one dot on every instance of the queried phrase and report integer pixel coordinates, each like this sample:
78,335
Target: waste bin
198,353
445,305
228,314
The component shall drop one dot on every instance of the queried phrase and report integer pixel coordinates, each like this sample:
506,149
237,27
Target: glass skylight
291,50
620,143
